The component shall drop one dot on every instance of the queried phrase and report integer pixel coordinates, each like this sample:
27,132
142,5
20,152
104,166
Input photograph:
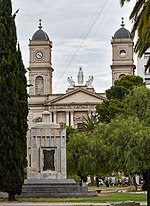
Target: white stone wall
46,137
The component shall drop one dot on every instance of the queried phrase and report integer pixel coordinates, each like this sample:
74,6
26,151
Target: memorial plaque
49,160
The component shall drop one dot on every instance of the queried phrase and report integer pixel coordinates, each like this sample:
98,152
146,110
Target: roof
73,97
122,33
40,35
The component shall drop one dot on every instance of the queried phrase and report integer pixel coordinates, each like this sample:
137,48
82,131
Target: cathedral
80,99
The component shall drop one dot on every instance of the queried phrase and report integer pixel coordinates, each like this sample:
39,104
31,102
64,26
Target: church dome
40,35
122,33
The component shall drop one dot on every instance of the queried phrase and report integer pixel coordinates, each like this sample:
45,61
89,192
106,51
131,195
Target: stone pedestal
46,150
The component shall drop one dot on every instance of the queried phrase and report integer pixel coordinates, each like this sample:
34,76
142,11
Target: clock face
39,55
122,53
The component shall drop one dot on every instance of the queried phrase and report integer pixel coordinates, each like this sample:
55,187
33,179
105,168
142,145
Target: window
39,85
146,55
147,80
121,75
122,53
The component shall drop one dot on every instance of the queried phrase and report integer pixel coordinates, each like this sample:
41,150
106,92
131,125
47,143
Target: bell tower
40,64
122,53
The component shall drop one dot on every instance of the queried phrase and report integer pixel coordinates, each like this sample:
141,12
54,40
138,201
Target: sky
81,32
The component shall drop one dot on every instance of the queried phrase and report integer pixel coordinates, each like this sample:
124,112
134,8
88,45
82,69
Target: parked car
101,182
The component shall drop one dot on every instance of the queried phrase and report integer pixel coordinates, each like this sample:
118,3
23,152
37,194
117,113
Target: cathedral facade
80,99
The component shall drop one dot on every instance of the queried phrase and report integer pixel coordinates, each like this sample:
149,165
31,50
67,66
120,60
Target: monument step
53,188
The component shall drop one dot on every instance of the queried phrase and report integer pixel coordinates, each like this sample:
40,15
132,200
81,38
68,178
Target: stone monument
46,154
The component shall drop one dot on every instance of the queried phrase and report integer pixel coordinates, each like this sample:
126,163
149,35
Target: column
89,113
93,112
71,118
55,116
67,118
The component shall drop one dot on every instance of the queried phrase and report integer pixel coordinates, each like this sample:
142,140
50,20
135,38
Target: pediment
77,96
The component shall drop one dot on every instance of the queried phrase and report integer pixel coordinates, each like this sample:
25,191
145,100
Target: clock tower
122,54
40,64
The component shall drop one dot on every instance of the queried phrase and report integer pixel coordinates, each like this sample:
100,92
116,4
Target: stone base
42,188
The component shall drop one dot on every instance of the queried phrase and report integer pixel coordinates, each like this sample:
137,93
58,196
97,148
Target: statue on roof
71,82
89,81
80,76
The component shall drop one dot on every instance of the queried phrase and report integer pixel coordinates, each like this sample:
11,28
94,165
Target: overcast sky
81,32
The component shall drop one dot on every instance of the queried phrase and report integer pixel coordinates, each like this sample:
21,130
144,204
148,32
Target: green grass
107,195
112,197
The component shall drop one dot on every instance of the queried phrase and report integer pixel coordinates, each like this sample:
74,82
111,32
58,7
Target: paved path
52,204
56,204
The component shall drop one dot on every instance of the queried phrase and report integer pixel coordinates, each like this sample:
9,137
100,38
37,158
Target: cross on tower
122,24
40,25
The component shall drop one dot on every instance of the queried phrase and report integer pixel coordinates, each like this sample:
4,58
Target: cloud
81,33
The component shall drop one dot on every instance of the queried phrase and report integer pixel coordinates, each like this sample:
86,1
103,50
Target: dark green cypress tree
23,104
13,106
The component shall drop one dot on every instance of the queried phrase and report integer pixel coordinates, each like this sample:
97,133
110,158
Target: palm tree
89,123
141,17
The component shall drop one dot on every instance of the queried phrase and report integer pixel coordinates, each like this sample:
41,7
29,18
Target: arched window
122,53
121,75
39,85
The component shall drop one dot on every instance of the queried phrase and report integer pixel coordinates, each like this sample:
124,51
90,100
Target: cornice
74,92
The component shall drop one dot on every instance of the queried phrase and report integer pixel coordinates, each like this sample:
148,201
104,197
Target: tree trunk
81,178
134,182
11,197
146,185
92,180
130,180
148,197
97,182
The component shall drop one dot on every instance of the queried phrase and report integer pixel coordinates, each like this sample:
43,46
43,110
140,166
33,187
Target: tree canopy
89,123
137,103
112,145
78,156
115,95
126,137
85,155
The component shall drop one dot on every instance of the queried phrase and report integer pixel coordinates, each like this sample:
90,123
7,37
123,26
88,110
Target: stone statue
89,81
71,82
80,76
